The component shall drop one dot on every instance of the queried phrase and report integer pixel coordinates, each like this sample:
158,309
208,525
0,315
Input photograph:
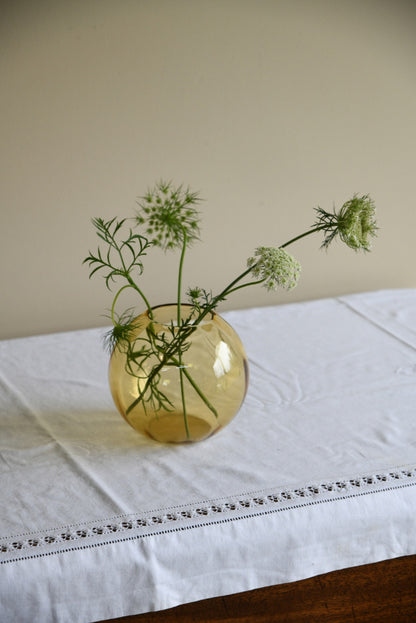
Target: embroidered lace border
129,527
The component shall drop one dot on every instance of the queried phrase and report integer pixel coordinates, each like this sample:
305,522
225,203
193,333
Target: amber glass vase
213,389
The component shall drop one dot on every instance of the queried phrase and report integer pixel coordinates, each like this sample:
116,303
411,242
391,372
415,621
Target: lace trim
126,525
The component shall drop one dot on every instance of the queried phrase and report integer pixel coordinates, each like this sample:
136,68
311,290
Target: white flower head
169,215
275,267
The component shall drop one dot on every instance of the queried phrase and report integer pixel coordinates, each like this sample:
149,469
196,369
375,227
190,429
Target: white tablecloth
317,472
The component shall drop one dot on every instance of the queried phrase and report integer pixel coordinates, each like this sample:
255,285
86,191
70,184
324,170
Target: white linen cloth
317,472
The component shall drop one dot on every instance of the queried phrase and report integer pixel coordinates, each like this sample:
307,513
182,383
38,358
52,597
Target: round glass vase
213,367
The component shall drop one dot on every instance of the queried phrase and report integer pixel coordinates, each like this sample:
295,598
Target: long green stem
206,310
232,287
136,287
200,393
185,414
115,301
195,386
306,233
131,284
245,285
179,322
178,313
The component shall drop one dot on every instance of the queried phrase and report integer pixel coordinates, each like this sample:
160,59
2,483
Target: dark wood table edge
382,592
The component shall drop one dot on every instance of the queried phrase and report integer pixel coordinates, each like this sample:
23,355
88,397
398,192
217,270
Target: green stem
185,415
222,294
246,285
306,233
196,388
131,284
179,322
178,313
200,393
115,300
136,287
232,287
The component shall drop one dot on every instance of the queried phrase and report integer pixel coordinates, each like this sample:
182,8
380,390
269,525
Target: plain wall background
268,107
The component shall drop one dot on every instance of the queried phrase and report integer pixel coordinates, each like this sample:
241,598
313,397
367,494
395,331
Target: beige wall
269,107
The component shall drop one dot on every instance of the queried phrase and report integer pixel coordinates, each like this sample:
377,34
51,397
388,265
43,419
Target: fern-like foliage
124,250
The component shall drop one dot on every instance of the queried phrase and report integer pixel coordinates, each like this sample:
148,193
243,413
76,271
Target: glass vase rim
210,315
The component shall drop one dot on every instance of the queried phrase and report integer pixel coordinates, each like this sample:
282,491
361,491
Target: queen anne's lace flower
275,267
168,214
355,223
